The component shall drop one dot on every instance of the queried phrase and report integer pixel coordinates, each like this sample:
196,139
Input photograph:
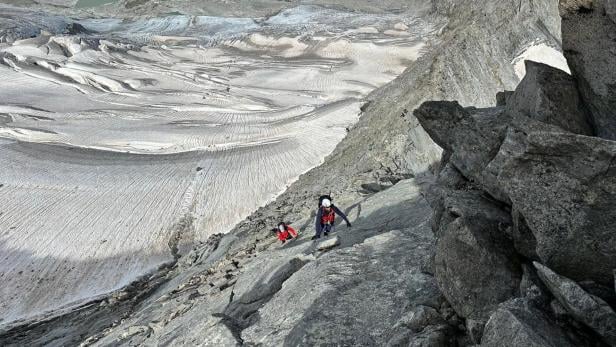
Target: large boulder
564,185
584,307
549,95
518,323
472,136
589,44
475,266
514,144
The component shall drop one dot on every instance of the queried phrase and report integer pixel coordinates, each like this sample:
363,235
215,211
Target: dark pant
325,228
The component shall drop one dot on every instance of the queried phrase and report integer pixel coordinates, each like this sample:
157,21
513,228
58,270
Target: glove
348,225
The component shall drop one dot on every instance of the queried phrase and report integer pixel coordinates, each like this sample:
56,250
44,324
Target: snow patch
541,53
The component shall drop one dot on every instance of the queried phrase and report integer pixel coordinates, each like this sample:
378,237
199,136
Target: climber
285,232
326,217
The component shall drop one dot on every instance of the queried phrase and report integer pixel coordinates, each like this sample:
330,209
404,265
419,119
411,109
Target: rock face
589,44
336,308
549,95
471,143
475,267
560,187
533,162
518,323
565,187
586,308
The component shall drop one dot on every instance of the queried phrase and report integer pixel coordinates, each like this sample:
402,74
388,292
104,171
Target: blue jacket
318,224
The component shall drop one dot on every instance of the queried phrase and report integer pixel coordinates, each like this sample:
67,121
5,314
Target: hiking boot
326,233
315,237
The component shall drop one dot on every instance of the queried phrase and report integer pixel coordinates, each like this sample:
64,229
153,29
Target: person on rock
285,232
326,217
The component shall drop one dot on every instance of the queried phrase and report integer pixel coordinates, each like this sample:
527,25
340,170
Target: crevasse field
126,141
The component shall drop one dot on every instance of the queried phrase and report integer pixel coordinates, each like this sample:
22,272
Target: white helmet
326,203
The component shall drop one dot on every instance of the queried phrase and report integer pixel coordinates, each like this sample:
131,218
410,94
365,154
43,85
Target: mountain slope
470,60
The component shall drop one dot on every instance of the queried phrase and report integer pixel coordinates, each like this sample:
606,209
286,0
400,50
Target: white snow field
136,139
542,53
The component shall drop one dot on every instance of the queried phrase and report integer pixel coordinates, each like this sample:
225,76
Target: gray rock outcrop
558,189
475,267
584,307
589,44
565,187
471,142
549,95
518,323
534,159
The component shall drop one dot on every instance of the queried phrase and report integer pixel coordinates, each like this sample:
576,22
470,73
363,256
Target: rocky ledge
524,197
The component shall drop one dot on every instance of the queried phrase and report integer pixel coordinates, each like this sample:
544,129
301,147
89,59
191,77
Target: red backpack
328,217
